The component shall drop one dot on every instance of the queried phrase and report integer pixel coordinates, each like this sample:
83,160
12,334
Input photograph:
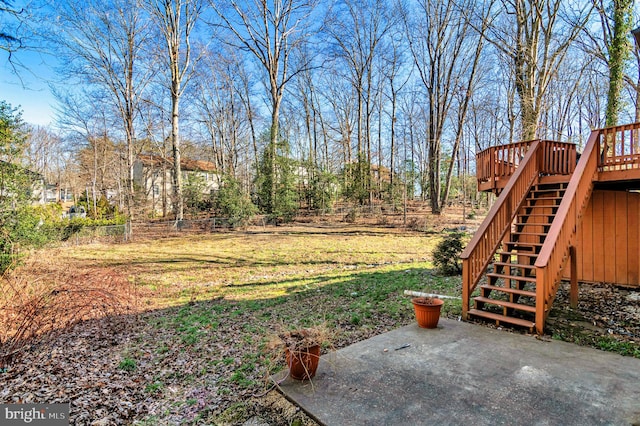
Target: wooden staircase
509,295
527,243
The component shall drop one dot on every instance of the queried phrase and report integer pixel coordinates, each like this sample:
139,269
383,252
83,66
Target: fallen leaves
204,360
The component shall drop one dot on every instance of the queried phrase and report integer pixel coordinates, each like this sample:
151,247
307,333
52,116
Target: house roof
185,163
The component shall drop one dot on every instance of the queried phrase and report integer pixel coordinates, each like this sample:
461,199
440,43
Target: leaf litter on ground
195,351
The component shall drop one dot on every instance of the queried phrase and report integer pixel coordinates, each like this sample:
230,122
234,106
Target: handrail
500,162
485,242
620,147
555,250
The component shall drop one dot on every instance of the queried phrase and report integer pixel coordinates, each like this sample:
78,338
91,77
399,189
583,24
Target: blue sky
30,88
27,83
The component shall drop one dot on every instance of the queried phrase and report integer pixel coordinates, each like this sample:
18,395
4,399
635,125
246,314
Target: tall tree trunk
618,52
175,146
462,116
393,143
275,117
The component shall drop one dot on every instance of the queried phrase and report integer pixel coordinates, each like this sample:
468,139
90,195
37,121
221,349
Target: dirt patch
607,317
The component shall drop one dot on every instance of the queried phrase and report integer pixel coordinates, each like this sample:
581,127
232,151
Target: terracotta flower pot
303,363
427,314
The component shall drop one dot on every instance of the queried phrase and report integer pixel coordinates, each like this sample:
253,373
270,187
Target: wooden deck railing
558,158
499,163
620,148
487,239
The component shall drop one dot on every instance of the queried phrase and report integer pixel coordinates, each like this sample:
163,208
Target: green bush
103,208
231,202
322,190
64,229
196,198
446,256
23,228
276,193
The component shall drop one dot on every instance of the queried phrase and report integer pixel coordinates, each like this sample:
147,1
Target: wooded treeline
376,99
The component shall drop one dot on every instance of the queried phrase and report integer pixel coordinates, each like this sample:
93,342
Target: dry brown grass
32,306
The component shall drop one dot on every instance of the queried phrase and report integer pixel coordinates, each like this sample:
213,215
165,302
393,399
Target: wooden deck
619,161
496,165
538,239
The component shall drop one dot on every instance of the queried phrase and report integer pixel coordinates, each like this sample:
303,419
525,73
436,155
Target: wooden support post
540,301
573,294
466,283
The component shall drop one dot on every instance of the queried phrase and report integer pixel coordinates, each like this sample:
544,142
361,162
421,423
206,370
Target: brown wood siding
608,249
597,235
585,254
634,248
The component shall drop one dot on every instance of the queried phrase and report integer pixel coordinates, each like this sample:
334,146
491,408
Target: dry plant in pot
427,310
301,349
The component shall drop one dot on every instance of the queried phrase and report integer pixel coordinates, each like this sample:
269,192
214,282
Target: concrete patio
462,373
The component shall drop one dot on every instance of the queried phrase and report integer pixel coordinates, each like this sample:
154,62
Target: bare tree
619,49
342,99
9,38
87,128
155,113
464,91
356,30
177,20
222,113
103,46
42,148
536,36
397,76
609,43
16,32
444,45
271,32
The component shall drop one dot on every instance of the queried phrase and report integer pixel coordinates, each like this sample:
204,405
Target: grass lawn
192,345
197,350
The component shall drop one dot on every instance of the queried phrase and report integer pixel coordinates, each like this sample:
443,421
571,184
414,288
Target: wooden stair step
532,224
540,206
547,190
550,185
558,192
515,265
543,198
524,244
523,249
502,318
505,304
509,253
511,277
509,290
537,234
519,222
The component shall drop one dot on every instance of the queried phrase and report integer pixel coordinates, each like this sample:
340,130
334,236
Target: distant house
154,176
380,173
